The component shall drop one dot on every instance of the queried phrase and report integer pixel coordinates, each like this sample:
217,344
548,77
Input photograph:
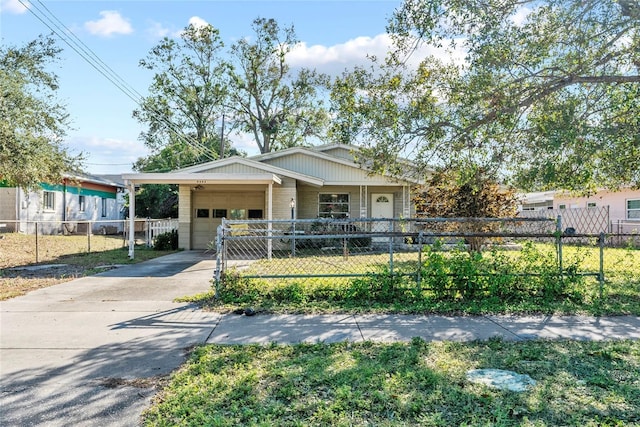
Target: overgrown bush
534,274
448,278
166,241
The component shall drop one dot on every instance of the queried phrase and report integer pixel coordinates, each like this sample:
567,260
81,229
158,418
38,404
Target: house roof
319,153
538,197
96,179
201,178
250,162
265,163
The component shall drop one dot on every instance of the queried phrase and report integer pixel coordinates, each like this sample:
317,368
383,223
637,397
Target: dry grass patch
73,257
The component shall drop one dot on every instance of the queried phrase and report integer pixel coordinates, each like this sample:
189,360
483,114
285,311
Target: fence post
217,274
391,247
37,257
88,236
293,235
419,273
559,243
148,232
601,272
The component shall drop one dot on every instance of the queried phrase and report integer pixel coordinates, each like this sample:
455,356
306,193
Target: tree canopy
197,83
185,97
33,122
278,108
547,94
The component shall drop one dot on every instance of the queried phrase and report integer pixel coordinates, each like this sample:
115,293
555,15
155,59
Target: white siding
184,217
331,172
282,195
340,152
234,168
7,203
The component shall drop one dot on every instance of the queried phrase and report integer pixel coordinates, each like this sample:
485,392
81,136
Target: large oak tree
280,108
548,94
33,123
185,98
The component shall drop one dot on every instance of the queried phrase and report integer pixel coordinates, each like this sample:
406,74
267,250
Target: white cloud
244,142
335,59
156,30
108,155
198,22
14,7
111,23
521,16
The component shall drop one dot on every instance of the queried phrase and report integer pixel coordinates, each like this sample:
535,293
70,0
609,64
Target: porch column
363,201
132,218
406,201
269,218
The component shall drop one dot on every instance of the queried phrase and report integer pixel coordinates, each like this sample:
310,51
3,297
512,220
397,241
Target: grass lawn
402,384
18,250
466,294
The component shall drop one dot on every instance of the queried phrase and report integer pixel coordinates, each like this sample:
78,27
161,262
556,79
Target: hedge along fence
450,257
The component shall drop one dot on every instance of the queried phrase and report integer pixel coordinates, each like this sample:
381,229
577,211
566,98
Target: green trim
79,190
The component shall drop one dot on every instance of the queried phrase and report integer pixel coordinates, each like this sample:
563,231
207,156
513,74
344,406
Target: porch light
292,204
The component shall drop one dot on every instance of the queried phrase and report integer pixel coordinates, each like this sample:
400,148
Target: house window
633,209
238,213
591,204
219,213
255,213
49,201
81,203
104,207
562,206
333,205
202,213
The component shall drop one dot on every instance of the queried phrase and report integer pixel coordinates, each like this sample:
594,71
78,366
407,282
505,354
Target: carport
190,182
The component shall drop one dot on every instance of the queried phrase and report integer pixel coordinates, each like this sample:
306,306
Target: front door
381,207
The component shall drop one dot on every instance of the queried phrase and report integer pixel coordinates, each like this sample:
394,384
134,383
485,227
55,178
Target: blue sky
333,34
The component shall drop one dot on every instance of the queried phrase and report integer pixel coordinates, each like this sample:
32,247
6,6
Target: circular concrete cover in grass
501,379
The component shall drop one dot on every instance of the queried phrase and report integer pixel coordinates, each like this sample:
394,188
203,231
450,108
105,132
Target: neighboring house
313,182
58,208
623,206
538,201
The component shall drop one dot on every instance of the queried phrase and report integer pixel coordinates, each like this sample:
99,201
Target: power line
62,31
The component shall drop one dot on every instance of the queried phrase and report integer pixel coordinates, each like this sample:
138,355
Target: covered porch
204,198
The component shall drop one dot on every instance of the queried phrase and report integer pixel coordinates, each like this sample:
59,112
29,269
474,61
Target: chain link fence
42,238
346,248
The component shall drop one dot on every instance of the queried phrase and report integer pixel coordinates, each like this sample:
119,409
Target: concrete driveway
69,354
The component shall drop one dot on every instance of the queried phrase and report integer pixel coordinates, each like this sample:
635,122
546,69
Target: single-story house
306,182
58,208
623,206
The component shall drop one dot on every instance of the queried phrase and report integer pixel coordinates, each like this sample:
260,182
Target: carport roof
201,178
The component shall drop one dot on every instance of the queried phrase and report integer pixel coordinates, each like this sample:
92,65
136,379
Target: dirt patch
151,382
16,282
58,271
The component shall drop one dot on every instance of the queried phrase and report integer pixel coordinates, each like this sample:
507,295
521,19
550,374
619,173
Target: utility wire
58,28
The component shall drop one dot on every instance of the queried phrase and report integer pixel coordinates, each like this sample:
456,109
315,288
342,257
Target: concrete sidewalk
289,329
74,354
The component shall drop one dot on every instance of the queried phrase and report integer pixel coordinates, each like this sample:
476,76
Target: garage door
210,207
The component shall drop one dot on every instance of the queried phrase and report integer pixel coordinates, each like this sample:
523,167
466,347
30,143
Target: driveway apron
86,352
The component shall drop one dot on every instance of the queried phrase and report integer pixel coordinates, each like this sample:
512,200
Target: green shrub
166,241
